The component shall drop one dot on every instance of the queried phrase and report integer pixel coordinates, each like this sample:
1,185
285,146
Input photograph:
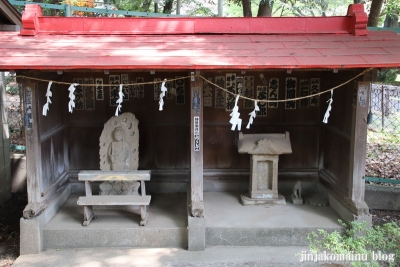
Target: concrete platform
166,227
228,223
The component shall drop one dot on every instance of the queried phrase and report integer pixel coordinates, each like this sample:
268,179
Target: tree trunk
373,17
265,8
391,21
146,5
168,7
247,8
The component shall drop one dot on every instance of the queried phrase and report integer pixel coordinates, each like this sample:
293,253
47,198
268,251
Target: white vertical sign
196,133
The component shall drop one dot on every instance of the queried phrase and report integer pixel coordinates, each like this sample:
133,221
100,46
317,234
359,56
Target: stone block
346,214
30,236
297,201
196,234
92,237
236,237
382,197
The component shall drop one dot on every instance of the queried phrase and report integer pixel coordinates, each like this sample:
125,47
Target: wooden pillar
196,150
33,150
156,6
358,143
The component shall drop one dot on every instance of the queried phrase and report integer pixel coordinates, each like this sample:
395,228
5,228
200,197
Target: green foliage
198,7
385,133
283,8
388,76
358,239
138,5
392,7
11,85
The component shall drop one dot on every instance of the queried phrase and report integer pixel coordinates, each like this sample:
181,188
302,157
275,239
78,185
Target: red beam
34,22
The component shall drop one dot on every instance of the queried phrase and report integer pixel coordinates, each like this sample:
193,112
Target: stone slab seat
90,200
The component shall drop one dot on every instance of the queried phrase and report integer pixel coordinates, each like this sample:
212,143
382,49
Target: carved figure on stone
119,143
119,151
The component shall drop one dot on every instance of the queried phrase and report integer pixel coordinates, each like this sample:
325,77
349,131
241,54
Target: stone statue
119,144
119,151
296,194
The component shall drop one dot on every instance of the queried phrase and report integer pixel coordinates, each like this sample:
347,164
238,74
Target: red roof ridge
34,22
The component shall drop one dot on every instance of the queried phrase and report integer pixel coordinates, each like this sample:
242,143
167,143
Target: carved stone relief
119,151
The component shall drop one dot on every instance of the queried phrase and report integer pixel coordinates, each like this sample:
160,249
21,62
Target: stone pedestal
264,150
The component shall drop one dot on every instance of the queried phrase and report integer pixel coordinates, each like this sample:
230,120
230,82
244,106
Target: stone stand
264,150
263,181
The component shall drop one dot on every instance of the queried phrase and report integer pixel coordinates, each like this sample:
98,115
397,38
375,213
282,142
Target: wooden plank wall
220,143
52,134
335,162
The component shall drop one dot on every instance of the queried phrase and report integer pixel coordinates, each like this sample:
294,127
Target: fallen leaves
383,161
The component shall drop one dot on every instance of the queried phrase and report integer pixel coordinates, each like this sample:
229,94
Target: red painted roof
198,43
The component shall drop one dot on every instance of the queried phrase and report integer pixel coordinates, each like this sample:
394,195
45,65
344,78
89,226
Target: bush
356,238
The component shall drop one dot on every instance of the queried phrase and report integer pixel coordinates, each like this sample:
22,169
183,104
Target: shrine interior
69,142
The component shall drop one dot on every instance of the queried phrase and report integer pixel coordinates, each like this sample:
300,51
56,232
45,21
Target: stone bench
90,200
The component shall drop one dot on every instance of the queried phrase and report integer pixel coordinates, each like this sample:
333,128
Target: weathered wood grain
196,157
114,200
358,143
114,175
33,154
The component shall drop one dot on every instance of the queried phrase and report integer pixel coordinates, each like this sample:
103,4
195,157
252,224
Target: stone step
111,237
228,223
238,237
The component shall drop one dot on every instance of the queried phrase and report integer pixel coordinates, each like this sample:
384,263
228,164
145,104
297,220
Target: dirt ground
10,214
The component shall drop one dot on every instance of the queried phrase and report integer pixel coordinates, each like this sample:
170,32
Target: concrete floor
228,223
166,210
223,209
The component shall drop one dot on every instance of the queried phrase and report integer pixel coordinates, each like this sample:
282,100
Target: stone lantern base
248,201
